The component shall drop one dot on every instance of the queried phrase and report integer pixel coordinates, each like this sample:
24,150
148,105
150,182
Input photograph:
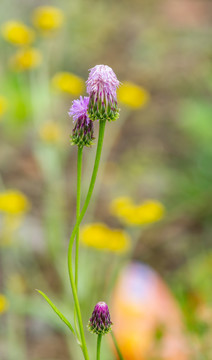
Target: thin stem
79,316
92,183
99,339
116,346
79,173
87,200
111,138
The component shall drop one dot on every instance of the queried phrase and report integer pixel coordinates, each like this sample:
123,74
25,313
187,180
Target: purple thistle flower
82,134
102,84
100,322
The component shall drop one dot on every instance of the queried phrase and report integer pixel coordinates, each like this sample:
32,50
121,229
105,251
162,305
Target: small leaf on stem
61,316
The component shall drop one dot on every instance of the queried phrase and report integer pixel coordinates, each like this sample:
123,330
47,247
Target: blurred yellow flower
13,202
132,95
68,83
101,237
10,224
26,59
3,105
51,132
48,18
17,33
121,206
144,213
4,304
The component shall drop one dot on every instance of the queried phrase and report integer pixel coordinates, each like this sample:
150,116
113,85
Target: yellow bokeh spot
68,83
48,18
51,132
3,105
146,212
13,202
132,95
121,206
26,59
4,304
101,237
11,222
17,33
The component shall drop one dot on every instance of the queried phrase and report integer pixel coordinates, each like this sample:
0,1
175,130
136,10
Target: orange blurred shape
147,321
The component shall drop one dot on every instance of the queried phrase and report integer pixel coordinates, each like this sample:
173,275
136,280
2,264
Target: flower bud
83,133
102,84
100,322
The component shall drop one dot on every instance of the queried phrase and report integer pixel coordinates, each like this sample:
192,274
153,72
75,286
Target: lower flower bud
100,322
83,133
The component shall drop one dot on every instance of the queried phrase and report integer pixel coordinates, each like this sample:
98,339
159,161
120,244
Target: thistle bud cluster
100,322
83,132
101,104
102,84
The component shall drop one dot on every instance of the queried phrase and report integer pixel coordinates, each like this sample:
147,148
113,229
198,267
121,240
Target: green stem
116,346
87,200
79,316
79,173
99,339
92,183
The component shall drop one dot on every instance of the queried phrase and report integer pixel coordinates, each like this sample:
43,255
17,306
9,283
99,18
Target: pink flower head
79,108
83,133
102,84
100,322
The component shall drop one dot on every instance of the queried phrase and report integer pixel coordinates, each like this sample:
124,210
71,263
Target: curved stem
79,172
92,183
87,200
99,339
79,317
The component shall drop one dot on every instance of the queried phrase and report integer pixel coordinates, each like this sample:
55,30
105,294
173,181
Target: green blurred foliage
161,151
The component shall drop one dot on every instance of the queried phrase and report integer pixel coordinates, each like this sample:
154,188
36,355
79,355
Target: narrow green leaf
61,316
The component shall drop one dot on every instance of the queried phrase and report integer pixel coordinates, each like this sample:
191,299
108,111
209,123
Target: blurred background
152,200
